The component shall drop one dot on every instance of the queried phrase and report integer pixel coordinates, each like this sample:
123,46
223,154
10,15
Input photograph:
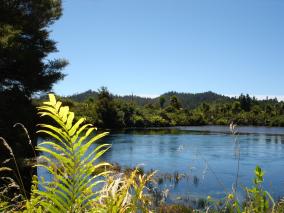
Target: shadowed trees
25,44
25,69
246,102
174,102
105,109
162,101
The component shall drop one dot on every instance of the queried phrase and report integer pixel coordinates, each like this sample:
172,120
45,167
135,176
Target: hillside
191,100
187,109
84,96
187,100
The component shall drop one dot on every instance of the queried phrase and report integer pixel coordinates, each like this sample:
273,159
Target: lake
205,157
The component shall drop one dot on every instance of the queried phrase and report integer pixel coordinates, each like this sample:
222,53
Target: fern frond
69,159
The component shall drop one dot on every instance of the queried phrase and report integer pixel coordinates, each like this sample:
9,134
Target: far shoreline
246,129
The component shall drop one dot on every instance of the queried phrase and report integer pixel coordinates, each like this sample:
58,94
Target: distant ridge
84,96
192,100
187,100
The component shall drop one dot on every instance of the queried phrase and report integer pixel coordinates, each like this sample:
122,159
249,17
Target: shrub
157,120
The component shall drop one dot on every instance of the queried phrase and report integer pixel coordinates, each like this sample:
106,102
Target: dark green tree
236,107
24,67
162,101
246,102
282,108
268,109
205,108
174,102
106,109
256,110
128,110
25,44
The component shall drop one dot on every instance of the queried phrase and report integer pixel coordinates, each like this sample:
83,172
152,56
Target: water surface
207,156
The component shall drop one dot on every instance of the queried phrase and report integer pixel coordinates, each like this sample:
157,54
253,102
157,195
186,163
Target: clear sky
148,47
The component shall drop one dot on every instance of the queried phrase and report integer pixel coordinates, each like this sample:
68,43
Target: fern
79,183
67,158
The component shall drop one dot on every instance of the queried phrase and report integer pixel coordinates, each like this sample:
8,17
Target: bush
138,121
222,121
157,120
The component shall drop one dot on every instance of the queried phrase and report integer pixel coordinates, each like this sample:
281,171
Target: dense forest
174,109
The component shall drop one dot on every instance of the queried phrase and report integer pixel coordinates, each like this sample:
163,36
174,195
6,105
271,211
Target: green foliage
174,102
162,101
25,70
106,110
187,100
258,199
138,121
171,109
245,102
69,159
79,182
158,121
25,43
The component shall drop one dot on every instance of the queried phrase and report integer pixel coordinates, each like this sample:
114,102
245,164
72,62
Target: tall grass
11,183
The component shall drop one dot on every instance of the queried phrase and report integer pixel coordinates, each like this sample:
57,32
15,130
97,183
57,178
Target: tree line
109,111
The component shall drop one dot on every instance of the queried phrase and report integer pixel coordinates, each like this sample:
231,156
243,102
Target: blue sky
148,47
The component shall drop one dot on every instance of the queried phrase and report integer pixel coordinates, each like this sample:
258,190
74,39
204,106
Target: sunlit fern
67,157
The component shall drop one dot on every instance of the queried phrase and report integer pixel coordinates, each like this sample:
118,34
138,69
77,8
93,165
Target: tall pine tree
24,67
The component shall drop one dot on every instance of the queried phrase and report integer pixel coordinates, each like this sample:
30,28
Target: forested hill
191,100
84,96
174,109
187,100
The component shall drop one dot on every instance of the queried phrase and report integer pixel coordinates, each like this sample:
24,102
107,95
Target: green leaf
74,128
69,120
52,99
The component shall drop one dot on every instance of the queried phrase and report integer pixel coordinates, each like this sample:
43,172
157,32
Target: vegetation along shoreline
173,109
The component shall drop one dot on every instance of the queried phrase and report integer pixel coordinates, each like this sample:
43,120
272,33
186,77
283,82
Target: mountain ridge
187,100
